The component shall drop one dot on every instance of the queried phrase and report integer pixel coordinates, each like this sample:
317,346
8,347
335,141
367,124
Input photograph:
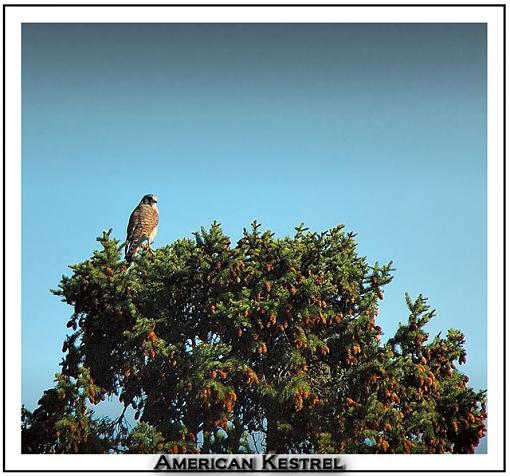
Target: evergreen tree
271,344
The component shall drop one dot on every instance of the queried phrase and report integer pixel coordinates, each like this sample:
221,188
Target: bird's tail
130,252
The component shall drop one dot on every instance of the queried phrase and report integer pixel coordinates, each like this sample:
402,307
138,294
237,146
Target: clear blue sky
380,127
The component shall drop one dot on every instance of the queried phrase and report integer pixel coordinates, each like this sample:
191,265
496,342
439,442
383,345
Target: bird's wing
134,219
141,223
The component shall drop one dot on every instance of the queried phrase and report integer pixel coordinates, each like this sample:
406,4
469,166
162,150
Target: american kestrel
142,226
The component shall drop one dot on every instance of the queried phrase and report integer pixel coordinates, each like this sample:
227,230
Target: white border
15,16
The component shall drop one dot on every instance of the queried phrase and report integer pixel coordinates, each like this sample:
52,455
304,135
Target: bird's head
149,199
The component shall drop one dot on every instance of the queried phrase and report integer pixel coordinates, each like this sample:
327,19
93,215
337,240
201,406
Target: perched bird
142,226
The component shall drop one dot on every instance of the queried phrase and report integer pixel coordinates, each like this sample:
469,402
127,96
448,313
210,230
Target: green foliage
63,424
212,344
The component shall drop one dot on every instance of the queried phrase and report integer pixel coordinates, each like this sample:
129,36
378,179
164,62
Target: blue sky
381,127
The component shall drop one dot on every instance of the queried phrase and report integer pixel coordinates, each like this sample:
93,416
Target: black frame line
503,5
253,5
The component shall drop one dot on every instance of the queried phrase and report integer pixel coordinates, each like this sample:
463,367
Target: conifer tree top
268,344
